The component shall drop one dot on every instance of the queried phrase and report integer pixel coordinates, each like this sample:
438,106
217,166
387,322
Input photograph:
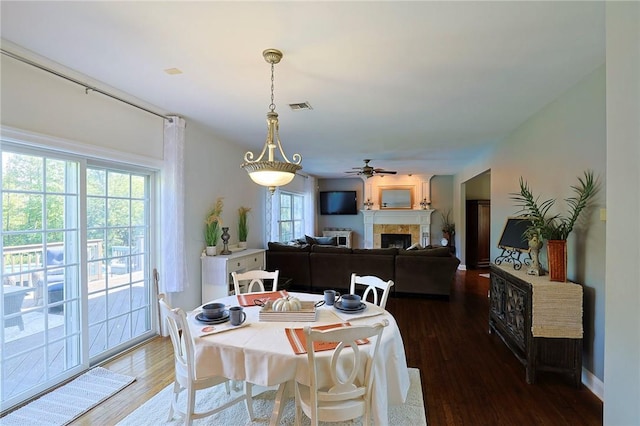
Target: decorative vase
534,252
557,255
242,244
211,250
225,240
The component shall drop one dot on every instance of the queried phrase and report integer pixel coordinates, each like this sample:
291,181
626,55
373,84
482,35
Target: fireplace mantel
422,218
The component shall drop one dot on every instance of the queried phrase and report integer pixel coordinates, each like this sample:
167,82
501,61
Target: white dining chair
373,284
185,370
255,277
343,398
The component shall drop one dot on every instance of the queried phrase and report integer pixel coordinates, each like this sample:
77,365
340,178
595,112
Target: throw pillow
415,246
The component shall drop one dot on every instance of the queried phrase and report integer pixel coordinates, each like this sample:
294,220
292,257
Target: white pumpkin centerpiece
286,304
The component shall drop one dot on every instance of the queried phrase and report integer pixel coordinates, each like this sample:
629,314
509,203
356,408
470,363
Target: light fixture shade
271,172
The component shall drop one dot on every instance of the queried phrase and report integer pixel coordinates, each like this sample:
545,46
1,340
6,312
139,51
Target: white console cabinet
344,236
216,271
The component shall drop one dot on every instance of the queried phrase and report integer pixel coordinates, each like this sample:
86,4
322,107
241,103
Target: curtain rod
78,82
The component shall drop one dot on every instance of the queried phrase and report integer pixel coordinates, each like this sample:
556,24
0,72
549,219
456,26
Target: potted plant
556,228
213,227
243,229
448,229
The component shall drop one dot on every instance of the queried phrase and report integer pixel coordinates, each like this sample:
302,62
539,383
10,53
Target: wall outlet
603,214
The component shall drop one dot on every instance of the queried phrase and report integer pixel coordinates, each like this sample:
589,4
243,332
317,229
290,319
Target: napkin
201,330
371,311
298,339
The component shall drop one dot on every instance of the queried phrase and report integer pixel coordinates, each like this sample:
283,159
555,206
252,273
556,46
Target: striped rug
63,405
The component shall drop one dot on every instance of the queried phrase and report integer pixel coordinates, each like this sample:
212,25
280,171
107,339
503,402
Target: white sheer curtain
273,215
173,272
310,200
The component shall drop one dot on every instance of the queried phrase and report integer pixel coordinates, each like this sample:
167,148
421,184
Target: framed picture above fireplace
396,197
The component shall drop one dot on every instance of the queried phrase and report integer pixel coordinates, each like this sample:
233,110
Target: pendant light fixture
270,172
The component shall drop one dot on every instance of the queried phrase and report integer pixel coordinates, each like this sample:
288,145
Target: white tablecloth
260,353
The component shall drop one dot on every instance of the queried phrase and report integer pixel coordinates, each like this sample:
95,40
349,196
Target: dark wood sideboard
512,317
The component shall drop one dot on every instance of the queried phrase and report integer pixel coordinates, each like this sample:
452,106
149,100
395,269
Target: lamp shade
271,173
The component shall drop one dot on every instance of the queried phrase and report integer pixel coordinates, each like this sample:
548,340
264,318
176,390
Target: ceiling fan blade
389,172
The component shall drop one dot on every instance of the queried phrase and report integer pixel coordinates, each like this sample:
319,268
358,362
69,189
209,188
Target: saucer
223,318
338,306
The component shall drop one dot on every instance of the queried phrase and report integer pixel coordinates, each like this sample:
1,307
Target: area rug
156,410
66,403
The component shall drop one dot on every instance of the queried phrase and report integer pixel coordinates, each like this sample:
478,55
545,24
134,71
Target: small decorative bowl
350,301
213,310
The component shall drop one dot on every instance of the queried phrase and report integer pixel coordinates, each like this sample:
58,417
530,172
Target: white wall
36,101
442,202
212,170
622,343
550,150
353,222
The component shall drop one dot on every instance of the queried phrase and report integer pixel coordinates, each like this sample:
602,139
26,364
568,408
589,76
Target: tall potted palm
213,227
555,229
243,229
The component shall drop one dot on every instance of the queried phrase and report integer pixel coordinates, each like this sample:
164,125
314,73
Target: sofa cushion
275,246
378,252
325,241
431,252
330,249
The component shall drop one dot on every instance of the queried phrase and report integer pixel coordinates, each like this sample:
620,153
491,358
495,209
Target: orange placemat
298,340
248,299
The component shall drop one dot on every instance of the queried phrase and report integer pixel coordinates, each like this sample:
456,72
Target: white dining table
259,352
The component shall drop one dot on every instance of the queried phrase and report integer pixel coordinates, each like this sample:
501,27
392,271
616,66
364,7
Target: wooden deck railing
24,264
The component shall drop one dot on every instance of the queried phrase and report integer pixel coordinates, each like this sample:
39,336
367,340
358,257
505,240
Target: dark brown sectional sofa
314,268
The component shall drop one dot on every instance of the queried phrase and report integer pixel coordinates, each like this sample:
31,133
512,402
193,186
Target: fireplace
416,223
395,240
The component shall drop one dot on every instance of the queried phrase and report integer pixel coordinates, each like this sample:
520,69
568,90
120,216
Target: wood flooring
469,377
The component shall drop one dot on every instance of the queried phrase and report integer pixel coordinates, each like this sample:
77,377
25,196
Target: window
291,219
75,266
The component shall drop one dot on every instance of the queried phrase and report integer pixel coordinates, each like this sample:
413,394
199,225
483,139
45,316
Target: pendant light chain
272,106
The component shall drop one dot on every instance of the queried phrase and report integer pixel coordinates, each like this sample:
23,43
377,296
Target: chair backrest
255,277
183,349
349,388
372,283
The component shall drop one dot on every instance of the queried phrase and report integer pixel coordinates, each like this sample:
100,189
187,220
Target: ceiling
418,87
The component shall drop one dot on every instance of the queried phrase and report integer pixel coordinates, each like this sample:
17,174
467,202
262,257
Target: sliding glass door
76,284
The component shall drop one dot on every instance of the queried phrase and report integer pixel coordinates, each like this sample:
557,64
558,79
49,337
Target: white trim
67,146
591,382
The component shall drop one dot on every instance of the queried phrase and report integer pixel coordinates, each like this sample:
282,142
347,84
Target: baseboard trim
462,267
592,383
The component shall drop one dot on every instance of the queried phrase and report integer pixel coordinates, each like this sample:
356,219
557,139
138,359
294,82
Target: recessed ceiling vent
300,106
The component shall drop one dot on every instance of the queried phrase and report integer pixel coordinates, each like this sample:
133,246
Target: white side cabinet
216,271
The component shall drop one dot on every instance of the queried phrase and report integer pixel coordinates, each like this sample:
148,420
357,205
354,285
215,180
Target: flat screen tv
338,202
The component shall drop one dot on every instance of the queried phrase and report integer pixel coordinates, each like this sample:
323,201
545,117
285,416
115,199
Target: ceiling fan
369,171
